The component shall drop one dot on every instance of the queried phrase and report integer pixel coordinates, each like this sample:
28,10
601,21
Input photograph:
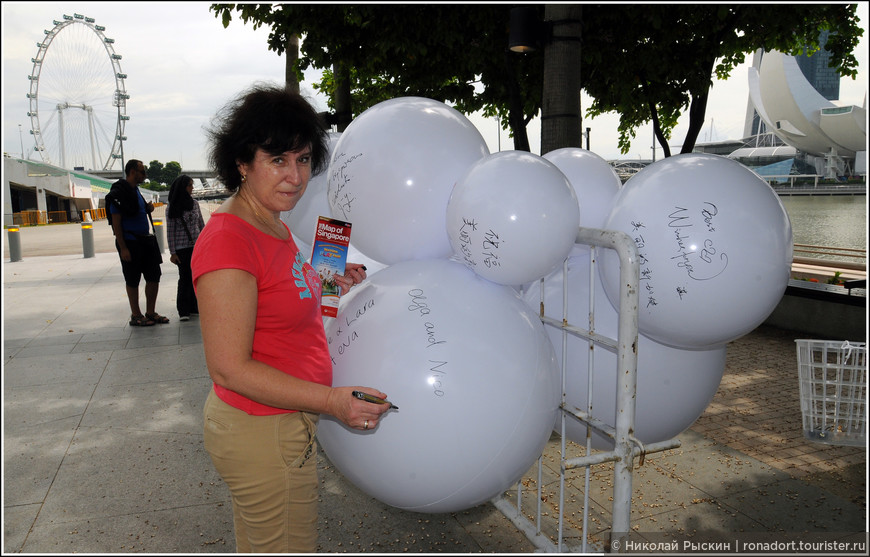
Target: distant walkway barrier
778,179
30,218
34,218
94,214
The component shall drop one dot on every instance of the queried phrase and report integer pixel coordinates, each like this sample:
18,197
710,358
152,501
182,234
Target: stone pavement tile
352,521
162,363
45,350
720,470
98,346
158,406
54,370
842,482
201,528
96,334
32,454
71,338
155,337
490,531
795,506
190,333
17,520
107,473
703,517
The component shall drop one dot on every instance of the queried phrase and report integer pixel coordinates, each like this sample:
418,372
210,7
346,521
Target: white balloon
392,173
302,220
674,386
714,246
593,179
512,217
472,372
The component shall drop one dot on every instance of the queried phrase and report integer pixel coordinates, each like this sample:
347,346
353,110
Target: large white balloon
593,179
302,220
472,372
714,247
674,386
512,217
392,173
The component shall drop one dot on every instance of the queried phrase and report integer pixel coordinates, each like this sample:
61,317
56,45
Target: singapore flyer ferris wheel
78,98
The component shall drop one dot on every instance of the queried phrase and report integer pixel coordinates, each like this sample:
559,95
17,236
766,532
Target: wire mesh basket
833,391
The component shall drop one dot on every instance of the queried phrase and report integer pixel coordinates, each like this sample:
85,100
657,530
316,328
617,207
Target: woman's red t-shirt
289,333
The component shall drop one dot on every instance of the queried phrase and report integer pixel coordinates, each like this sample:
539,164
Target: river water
828,220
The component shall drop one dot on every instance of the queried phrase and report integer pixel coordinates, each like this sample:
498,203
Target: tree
154,172
651,63
369,53
158,173
171,171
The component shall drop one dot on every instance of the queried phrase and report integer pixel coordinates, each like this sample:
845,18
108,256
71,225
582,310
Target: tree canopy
653,62
452,53
158,173
646,62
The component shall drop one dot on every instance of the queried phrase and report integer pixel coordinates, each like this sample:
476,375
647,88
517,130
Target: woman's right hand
354,412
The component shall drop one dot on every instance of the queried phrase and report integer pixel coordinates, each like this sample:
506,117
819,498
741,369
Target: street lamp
526,30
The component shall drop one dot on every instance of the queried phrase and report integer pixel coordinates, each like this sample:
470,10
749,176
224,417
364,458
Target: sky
183,65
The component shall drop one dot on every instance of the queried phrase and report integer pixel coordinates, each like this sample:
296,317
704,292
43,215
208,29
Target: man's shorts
144,262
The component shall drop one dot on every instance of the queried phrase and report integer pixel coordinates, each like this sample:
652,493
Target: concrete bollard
158,231
14,238
88,239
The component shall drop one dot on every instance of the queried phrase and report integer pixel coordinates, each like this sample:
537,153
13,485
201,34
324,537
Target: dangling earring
244,178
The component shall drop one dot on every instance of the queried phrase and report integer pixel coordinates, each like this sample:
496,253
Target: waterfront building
794,122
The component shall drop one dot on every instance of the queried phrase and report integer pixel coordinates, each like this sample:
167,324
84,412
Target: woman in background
184,223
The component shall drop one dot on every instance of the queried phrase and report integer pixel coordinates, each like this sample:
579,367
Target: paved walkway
103,445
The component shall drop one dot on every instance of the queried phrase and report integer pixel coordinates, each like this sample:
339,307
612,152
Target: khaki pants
268,463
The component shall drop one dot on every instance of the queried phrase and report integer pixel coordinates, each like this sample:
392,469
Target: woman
183,225
262,330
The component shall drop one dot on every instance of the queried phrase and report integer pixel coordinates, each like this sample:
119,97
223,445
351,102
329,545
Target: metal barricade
626,447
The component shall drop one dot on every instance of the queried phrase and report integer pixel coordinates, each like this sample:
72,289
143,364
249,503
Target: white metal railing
626,447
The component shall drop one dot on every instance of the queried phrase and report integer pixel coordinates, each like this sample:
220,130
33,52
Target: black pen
373,399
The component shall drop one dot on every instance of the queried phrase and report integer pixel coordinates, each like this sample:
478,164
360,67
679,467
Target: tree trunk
291,54
560,108
697,110
657,130
343,106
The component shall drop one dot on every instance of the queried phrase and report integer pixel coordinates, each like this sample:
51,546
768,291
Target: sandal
157,318
140,321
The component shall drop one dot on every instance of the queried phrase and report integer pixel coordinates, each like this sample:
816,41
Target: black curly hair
267,117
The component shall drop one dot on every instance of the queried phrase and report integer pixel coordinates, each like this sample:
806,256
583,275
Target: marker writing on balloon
373,399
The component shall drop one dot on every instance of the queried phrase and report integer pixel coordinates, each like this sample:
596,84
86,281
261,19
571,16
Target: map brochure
328,257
